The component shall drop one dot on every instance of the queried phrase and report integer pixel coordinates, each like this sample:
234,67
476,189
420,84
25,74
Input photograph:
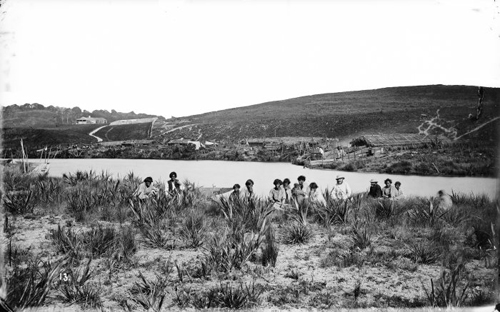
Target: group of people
389,191
146,188
283,192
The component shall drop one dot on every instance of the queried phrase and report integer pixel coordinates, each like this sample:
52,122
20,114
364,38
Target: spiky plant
193,228
19,203
76,289
68,243
361,235
100,240
28,286
297,233
150,295
424,253
451,289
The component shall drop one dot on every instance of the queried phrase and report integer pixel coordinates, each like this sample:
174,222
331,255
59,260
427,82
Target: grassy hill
343,115
36,138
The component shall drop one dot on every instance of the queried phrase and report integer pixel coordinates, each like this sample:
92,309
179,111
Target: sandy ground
378,281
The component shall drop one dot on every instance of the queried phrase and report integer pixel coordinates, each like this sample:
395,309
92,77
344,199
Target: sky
179,58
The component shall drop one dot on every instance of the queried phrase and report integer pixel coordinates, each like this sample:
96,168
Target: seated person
235,195
398,192
375,191
249,193
171,183
341,190
315,196
444,201
177,188
146,189
277,194
388,190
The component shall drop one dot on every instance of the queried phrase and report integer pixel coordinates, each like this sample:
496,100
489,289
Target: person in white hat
375,190
341,190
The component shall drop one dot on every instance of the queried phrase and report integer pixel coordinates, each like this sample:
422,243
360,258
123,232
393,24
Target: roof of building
398,139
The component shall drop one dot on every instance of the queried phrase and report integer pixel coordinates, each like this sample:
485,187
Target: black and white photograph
282,155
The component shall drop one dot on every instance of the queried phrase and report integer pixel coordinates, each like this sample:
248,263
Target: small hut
397,140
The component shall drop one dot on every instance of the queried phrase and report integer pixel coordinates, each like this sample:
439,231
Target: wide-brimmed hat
373,181
339,177
148,179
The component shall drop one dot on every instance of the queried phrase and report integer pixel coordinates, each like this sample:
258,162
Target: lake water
210,173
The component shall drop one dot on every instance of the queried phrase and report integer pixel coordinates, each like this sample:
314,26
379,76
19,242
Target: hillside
38,116
342,115
41,126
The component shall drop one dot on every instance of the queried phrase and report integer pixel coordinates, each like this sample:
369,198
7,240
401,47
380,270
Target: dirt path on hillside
95,131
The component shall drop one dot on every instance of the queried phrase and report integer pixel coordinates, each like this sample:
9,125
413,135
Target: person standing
288,191
388,190
375,191
341,190
300,189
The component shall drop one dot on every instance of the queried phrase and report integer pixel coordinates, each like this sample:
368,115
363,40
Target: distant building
91,120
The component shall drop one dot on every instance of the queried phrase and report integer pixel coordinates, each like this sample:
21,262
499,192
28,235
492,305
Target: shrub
450,290
402,167
221,296
150,295
297,233
384,209
68,243
29,285
19,203
157,236
193,228
426,215
424,253
362,236
334,212
227,252
100,240
76,289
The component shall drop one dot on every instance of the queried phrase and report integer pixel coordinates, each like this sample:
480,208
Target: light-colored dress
398,194
315,197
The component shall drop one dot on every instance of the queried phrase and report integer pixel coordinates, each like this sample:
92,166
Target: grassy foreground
82,242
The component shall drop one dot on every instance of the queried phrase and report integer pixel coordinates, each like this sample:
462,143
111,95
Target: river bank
464,159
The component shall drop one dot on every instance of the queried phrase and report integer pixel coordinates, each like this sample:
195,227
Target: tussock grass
297,233
29,285
193,228
224,295
150,294
76,288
